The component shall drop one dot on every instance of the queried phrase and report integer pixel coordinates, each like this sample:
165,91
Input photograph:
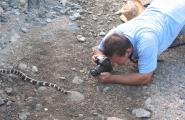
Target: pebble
73,69
45,109
102,34
94,112
3,19
99,110
24,29
9,103
14,36
62,78
106,89
141,113
95,18
80,115
75,16
129,98
22,2
148,102
2,102
42,88
48,20
22,66
82,71
38,107
81,38
77,80
9,91
34,69
113,118
75,96
4,5
1,10
23,115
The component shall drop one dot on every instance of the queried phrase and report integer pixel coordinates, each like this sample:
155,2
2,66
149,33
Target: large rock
141,113
74,96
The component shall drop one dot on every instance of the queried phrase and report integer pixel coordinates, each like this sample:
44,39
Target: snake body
24,77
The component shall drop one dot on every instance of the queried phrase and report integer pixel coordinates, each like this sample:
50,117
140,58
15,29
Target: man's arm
128,79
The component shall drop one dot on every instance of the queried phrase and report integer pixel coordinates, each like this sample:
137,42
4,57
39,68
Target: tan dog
130,9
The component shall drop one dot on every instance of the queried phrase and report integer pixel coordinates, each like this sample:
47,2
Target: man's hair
116,45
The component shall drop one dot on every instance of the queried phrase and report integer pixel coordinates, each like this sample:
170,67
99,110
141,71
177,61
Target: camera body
103,65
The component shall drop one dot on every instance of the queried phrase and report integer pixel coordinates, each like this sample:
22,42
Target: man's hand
94,58
105,77
97,53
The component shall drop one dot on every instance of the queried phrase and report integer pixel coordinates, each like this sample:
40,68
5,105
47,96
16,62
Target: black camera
103,65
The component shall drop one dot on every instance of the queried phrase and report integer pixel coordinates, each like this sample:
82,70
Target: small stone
82,71
9,90
99,110
2,102
48,20
38,107
5,5
74,96
99,14
1,10
75,16
24,29
81,38
106,89
62,78
42,88
77,80
141,113
113,118
73,69
102,34
23,115
14,36
129,98
45,109
3,19
9,103
80,115
94,18
95,113
22,2
22,66
34,69
148,102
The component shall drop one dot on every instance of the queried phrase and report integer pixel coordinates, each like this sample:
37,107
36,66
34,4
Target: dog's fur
130,9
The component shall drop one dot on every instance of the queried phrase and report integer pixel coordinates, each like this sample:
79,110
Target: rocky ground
55,44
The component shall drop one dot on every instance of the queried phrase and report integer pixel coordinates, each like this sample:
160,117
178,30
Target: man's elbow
146,82
147,79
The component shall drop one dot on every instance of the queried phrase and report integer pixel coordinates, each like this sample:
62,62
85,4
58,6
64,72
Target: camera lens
97,70
94,72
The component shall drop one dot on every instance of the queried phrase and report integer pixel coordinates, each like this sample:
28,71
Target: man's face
119,60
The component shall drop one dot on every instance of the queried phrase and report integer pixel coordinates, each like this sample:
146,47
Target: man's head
117,48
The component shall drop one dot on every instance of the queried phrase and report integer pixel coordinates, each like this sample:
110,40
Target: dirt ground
60,57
